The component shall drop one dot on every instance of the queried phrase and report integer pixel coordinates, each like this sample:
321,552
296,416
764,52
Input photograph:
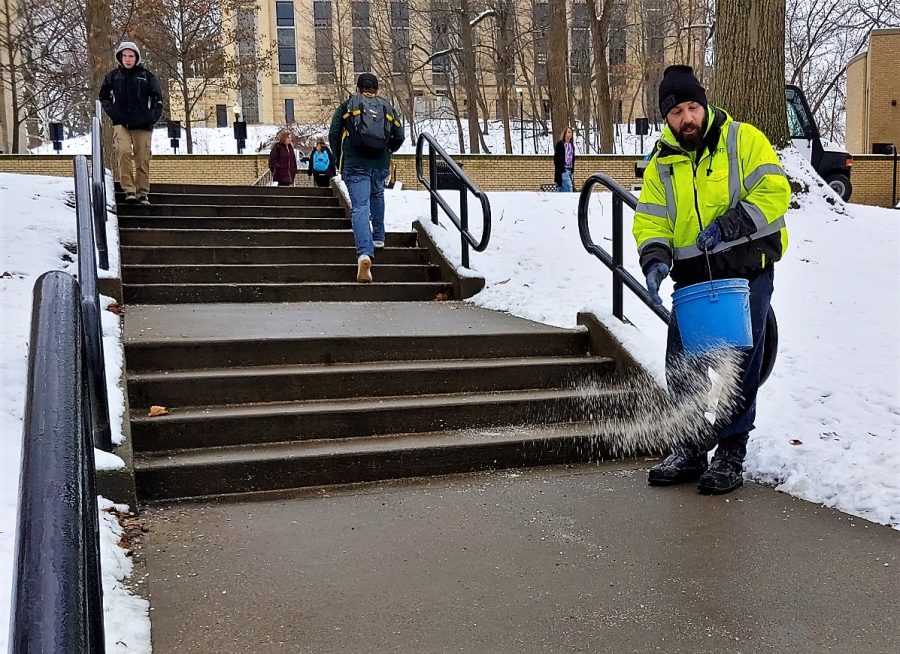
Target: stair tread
310,448
272,265
384,366
363,404
293,284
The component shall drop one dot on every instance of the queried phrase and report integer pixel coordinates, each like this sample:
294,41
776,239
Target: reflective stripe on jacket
735,166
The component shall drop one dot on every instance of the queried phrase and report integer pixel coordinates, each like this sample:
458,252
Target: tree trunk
749,64
187,114
599,44
100,58
469,75
557,68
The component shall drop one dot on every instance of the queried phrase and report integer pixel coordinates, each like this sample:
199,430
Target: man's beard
693,140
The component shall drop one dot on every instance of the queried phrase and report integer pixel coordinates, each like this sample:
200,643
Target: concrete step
216,189
280,466
254,238
239,254
270,200
146,355
350,418
272,273
229,223
211,387
224,210
351,291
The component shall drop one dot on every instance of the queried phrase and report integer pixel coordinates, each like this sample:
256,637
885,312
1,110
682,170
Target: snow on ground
212,140
38,234
828,424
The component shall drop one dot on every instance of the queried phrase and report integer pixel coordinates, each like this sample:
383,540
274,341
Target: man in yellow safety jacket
712,205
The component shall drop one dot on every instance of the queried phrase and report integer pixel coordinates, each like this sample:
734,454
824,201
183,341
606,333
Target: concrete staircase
265,397
259,244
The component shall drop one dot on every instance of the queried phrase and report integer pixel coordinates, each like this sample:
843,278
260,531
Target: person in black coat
564,161
321,164
131,97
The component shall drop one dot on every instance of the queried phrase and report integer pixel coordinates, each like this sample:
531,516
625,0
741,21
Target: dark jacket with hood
131,97
559,162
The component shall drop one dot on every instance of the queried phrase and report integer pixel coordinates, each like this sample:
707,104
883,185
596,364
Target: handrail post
48,602
618,301
90,307
432,181
464,223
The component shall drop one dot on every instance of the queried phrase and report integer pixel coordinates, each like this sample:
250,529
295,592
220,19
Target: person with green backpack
365,132
321,164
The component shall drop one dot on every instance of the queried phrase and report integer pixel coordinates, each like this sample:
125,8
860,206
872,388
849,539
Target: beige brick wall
857,81
884,88
524,173
871,176
191,169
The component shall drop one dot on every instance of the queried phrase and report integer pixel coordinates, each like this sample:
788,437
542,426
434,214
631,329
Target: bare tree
749,68
196,44
558,64
599,15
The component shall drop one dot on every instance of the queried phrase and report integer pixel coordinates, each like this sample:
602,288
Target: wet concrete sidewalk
585,559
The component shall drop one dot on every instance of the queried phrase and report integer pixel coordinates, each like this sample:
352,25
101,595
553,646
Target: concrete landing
586,559
310,319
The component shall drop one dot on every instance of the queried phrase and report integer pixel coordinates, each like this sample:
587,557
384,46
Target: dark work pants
732,429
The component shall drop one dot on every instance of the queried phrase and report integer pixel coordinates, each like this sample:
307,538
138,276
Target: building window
400,35
324,40
617,44
287,43
284,14
362,42
581,42
440,38
288,111
540,17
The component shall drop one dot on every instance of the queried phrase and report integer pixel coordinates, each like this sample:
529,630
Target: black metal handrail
464,184
90,307
57,599
622,278
98,188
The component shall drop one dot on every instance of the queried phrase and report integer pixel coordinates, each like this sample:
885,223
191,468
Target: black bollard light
174,134
56,135
240,135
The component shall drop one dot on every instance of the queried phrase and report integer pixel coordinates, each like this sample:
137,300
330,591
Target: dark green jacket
348,156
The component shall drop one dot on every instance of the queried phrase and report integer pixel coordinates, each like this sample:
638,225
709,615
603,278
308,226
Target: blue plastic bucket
713,315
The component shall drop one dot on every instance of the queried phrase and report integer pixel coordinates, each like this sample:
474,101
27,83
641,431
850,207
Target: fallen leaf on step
158,411
503,282
441,297
794,441
115,308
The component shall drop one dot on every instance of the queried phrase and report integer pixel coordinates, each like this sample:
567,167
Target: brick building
322,45
873,93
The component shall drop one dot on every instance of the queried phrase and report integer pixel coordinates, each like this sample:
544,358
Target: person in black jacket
564,161
132,99
321,164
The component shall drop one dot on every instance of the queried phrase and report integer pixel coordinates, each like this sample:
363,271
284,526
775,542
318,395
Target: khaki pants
133,145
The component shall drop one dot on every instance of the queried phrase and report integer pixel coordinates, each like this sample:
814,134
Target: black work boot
682,465
724,473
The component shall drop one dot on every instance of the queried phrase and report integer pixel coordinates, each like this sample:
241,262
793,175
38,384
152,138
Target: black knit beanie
679,84
367,81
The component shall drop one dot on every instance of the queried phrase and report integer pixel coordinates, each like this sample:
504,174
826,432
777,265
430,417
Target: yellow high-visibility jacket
684,192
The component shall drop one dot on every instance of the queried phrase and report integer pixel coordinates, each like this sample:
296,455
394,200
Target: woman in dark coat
564,161
282,162
321,164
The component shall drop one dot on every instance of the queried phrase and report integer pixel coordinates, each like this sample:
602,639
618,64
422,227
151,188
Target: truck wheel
840,184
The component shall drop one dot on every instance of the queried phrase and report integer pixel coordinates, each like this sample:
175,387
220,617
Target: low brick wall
871,179
189,169
524,172
871,175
